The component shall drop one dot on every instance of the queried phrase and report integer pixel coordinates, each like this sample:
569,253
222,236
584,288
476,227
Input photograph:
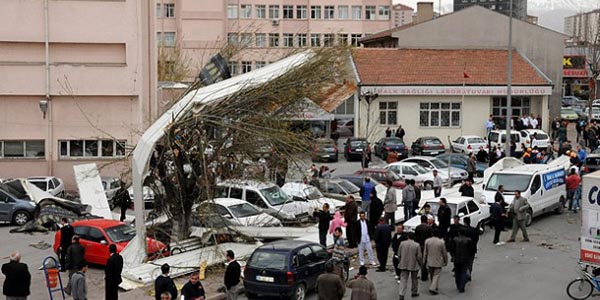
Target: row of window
166,10
431,114
317,12
262,40
67,148
241,67
165,39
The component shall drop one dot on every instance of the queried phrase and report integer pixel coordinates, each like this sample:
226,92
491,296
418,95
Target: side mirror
103,242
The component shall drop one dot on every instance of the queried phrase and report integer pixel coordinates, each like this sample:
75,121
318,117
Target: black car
591,164
324,150
388,144
428,145
286,268
355,147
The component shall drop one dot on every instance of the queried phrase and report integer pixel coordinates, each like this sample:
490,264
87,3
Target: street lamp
509,82
369,97
44,107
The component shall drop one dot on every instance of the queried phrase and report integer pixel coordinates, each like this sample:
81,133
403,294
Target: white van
497,138
544,187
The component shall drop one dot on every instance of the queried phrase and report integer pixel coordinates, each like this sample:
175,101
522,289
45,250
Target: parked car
324,150
14,210
542,140
345,127
460,161
389,144
308,193
239,212
111,185
50,184
148,197
354,148
568,114
469,144
467,206
410,170
338,188
591,163
433,163
96,234
497,138
428,145
573,101
595,112
382,175
286,268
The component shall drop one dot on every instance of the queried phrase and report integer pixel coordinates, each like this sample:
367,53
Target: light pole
509,82
369,97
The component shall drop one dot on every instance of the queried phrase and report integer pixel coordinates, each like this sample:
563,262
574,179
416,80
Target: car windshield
274,195
567,111
394,142
433,142
420,169
438,163
435,206
393,176
541,136
511,182
475,141
268,260
358,143
313,193
244,210
40,184
120,233
349,187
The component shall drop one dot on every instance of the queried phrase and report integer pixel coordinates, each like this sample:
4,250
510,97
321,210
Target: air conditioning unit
275,22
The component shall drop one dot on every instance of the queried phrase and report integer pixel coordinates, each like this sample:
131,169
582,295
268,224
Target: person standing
389,204
66,234
375,210
392,157
461,248
466,190
329,285
408,197
324,217
400,133
164,283
573,181
498,215
489,125
383,239
18,279
123,199
79,286
112,274
388,132
193,289
74,259
411,259
473,234
444,216
365,232
422,232
481,155
397,239
362,288
350,216
471,166
518,209
437,184
365,194
435,257
232,276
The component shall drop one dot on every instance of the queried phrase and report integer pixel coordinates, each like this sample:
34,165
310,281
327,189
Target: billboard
574,66
590,219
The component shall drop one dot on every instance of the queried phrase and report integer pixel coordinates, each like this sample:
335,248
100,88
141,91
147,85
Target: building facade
402,14
77,85
583,27
501,6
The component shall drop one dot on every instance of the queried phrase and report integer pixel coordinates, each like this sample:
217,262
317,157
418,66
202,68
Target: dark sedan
591,164
382,175
459,160
428,145
355,147
389,144
324,150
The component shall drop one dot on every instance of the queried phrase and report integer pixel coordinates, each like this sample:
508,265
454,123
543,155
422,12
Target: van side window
537,183
494,137
235,193
254,198
472,206
222,192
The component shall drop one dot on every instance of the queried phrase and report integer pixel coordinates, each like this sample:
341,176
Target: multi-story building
77,85
267,29
501,6
583,27
402,14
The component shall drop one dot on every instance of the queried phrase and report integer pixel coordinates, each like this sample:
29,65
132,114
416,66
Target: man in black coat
350,216
232,276
461,249
498,215
422,232
399,237
383,239
66,234
324,217
164,283
375,210
473,234
74,259
122,198
18,278
444,216
112,274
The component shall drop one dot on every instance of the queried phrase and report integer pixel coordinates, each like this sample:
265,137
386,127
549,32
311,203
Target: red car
381,175
95,236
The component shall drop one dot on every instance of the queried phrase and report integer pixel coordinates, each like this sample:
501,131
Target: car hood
260,220
333,203
412,223
294,207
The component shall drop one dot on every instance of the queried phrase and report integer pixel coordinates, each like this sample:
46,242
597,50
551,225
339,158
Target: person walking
164,283
73,260
435,257
498,215
473,234
367,188
365,232
324,217
411,259
112,274
66,234
362,288
437,184
397,239
444,216
123,199
489,125
350,216
329,285
193,289
232,277
400,133
518,209
388,132
471,166
422,232
375,210
408,197
392,157
466,190
79,285
573,181
389,204
461,248
383,240
17,278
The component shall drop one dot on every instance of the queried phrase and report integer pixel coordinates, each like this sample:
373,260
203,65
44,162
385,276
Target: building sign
459,90
590,222
554,179
574,66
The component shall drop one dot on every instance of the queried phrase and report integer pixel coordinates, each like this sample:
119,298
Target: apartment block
502,6
583,27
402,14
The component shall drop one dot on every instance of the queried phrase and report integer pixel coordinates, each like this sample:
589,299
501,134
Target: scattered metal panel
263,232
91,190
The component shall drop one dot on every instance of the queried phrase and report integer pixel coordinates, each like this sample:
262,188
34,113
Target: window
273,39
261,11
170,10
536,184
301,12
520,106
23,149
384,13
82,231
95,235
439,114
370,12
233,38
346,108
343,12
254,198
343,39
274,11
301,39
168,39
158,10
303,256
329,12
462,210
315,40
354,39
260,64
261,40
233,68
92,148
246,39
245,11
388,112
288,40
288,11
328,39
472,206
235,193
315,12
356,12
232,11
246,66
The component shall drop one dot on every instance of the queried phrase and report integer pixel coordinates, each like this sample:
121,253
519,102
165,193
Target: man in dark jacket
383,239
193,289
422,233
466,190
18,278
164,283
74,259
461,249
329,285
112,274
232,277
66,234
498,215
399,237
375,209
444,216
350,216
324,217
473,234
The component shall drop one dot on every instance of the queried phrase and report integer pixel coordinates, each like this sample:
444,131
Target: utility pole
509,83
369,97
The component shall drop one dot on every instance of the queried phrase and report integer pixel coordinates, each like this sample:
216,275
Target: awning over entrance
306,110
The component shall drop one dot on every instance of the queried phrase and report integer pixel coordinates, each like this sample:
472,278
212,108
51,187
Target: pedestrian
422,232
388,132
562,133
555,126
164,283
518,210
112,273
337,222
365,232
498,215
79,285
444,216
329,285
453,229
350,216
392,157
367,188
473,234
435,257
362,288
411,259
533,122
573,181
232,277
461,253
123,200
408,197
17,278
383,240
313,171
375,210
425,210
400,132
389,204
466,190
581,154
397,239
489,125
314,181
165,296
417,199
437,184
471,166
481,155
66,234
74,259
366,158
193,289
324,217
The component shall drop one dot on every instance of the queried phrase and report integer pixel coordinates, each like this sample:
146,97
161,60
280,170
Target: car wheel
481,227
561,206
528,217
299,292
21,217
250,295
